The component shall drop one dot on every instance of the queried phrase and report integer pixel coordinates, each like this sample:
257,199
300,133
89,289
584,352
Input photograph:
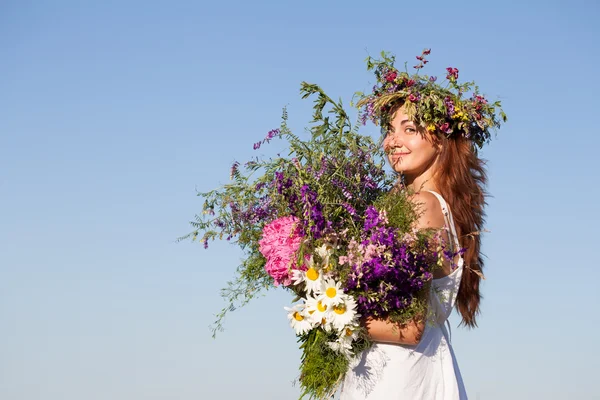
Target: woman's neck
418,182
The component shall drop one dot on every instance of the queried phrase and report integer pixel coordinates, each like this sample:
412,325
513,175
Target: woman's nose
393,140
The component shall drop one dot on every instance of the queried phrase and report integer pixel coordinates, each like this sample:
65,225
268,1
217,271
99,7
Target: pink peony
279,244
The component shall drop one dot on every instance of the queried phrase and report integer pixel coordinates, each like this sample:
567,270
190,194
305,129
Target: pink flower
279,244
452,73
390,76
480,99
445,127
371,251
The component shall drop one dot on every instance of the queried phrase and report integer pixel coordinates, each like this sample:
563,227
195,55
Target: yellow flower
431,127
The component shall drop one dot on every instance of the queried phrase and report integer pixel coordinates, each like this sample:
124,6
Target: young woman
416,360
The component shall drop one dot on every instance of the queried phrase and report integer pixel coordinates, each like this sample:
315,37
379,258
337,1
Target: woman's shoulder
429,210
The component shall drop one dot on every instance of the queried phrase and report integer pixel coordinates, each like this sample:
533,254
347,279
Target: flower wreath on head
452,110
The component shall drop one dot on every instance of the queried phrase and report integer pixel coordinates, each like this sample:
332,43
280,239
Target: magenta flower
272,133
480,99
279,244
391,76
445,127
452,73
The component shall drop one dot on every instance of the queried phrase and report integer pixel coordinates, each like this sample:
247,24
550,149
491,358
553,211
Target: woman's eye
410,130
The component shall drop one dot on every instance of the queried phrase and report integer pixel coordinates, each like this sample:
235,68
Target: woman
437,158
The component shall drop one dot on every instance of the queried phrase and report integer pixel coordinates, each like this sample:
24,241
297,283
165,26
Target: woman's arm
384,331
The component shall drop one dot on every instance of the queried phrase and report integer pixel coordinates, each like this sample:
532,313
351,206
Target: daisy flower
319,313
324,251
344,343
299,319
344,313
331,292
342,346
350,333
312,277
297,276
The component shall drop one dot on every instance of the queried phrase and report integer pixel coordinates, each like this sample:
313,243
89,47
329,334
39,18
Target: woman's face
411,150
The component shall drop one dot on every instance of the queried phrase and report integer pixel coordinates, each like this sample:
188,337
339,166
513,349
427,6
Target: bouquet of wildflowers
328,224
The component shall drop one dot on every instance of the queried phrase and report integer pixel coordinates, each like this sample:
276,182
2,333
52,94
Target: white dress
427,371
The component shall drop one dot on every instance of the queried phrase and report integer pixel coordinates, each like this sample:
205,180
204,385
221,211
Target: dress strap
449,222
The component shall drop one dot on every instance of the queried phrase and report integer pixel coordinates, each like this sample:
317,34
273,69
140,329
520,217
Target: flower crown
438,109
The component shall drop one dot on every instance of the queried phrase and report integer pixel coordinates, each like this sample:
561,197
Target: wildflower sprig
454,109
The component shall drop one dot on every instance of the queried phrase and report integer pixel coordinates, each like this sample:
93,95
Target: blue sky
113,114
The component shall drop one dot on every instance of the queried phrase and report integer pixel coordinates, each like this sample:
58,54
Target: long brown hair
461,179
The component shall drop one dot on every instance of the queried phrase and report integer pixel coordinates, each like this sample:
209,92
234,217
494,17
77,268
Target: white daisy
319,313
312,277
350,333
297,276
324,251
344,342
331,292
342,346
299,319
344,313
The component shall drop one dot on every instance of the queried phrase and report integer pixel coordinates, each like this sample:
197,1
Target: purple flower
370,110
272,133
312,212
371,218
363,118
432,78
234,169
322,168
449,105
389,271
349,208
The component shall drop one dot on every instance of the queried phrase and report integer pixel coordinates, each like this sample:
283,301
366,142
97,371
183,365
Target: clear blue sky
113,113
